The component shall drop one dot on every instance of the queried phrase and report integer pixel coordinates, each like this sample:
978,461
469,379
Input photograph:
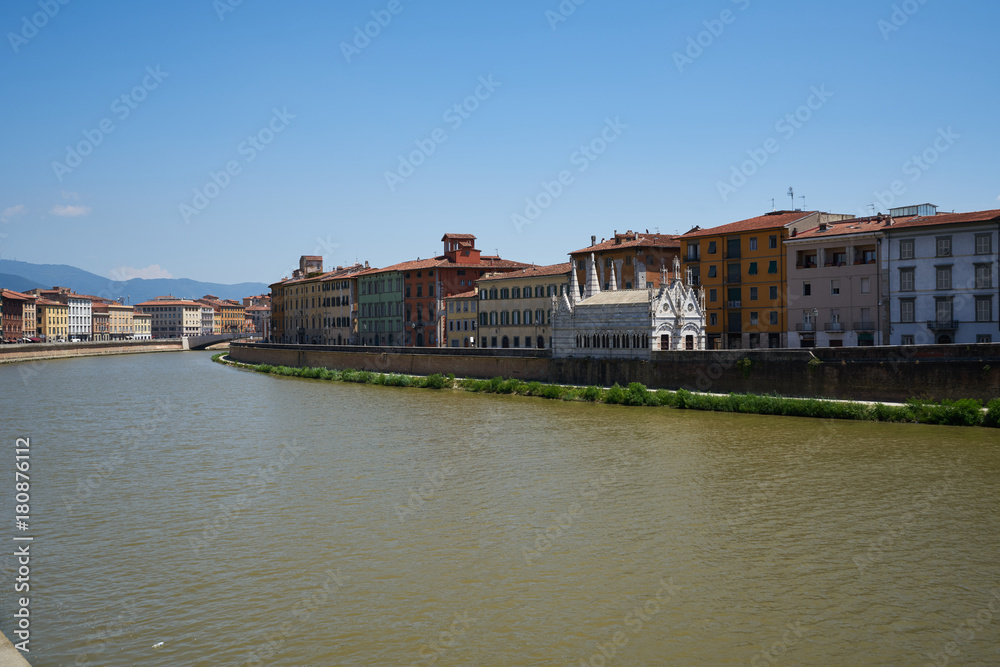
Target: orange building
743,268
638,259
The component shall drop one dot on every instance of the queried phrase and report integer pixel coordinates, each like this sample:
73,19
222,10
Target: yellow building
515,308
743,268
461,319
142,326
172,317
120,321
53,320
230,315
316,307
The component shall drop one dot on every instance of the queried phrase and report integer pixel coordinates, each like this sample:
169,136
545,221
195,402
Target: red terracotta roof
949,219
869,225
641,240
470,237
170,302
532,272
464,295
768,221
42,301
11,294
442,262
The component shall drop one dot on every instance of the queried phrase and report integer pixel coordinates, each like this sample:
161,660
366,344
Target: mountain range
21,276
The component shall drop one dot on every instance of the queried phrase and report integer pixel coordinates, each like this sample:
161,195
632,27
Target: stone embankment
40,351
886,374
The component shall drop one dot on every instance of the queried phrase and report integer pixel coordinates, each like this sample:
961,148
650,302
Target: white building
942,272
207,320
627,324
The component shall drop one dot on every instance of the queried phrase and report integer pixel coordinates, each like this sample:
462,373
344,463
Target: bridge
201,342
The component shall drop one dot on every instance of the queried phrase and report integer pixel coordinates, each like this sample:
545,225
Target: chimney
593,239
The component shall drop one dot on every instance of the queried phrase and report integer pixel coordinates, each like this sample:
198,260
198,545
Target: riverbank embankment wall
886,373
40,351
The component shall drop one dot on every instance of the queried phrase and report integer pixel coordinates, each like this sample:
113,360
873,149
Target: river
186,513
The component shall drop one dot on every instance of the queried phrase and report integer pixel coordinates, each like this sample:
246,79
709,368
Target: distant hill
17,283
22,276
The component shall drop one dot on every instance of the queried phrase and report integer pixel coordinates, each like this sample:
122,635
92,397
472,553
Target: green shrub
682,399
552,391
533,389
592,394
264,368
745,365
572,394
615,395
637,394
436,381
992,418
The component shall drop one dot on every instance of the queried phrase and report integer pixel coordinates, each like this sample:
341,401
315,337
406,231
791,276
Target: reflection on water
247,519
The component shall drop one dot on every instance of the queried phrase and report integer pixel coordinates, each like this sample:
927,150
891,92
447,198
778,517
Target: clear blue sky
320,185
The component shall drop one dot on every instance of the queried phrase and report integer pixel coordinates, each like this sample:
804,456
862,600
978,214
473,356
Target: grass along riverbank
963,412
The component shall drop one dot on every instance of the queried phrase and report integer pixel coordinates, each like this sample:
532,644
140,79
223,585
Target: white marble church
627,324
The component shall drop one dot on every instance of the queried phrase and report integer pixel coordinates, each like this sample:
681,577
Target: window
806,289
713,319
516,293
984,308
451,307
906,280
712,271
752,271
753,242
943,246
628,261
866,285
944,310
711,247
713,295
753,293
515,319
984,338
984,276
772,292
607,262
517,341
773,317
527,317
906,340
772,266
835,287
430,290
943,274
493,318
984,244
754,320
772,241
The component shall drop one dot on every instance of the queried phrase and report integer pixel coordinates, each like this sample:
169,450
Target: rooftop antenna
803,198
791,194
872,207
773,209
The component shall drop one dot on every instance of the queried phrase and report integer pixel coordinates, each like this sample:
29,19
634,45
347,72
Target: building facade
834,286
53,320
313,307
120,321
515,307
101,326
172,317
142,325
12,311
639,259
627,324
380,307
941,271
462,318
743,267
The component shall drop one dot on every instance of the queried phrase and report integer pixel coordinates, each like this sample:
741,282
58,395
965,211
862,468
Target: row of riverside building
786,279
62,315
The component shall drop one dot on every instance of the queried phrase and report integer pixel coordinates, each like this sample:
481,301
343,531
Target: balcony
864,326
735,304
805,326
942,325
833,326
732,280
